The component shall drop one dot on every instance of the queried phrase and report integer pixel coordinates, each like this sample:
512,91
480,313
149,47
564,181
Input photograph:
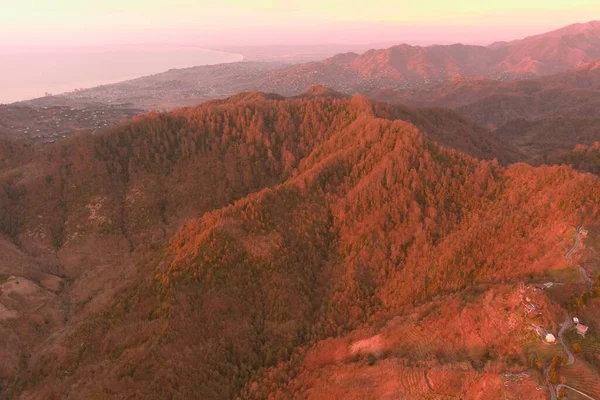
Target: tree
556,360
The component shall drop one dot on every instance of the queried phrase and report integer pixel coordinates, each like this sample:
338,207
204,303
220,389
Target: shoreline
141,61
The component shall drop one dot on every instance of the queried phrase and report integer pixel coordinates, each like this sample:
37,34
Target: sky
265,22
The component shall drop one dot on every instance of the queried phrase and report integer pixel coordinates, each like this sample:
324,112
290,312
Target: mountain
78,218
460,92
320,246
536,116
398,67
552,52
413,66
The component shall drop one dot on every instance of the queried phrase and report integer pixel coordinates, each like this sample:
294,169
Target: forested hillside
215,251
584,158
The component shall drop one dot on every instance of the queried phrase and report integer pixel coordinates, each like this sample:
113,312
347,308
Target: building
549,338
543,286
532,309
581,329
545,335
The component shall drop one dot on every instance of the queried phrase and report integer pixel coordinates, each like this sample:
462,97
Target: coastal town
48,119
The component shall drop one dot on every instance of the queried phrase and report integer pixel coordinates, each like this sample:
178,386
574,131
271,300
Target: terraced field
386,379
590,344
411,338
449,382
413,381
582,376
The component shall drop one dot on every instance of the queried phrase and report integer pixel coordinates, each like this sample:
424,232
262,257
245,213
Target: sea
27,73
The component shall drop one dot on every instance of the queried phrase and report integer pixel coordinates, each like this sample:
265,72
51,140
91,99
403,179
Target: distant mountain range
398,67
411,66
536,115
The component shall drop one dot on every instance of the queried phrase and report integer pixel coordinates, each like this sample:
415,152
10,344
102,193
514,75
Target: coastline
32,74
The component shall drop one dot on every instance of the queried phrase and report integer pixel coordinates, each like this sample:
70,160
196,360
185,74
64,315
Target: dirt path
428,381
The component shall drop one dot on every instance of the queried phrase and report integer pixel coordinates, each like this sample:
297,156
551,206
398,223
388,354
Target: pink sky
203,22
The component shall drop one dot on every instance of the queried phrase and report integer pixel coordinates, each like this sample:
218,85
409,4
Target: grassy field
543,351
570,235
563,275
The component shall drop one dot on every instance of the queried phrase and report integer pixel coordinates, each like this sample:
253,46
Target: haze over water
27,73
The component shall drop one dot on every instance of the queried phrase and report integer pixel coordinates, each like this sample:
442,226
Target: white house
549,338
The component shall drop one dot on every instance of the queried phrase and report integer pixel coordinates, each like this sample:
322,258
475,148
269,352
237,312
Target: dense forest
582,157
250,232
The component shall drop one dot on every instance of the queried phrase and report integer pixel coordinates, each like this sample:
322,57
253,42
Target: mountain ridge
203,251
406,65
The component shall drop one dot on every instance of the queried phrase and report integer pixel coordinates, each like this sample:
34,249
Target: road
558,387
570,360
550,386
566,325
585,277
570,252
582,271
